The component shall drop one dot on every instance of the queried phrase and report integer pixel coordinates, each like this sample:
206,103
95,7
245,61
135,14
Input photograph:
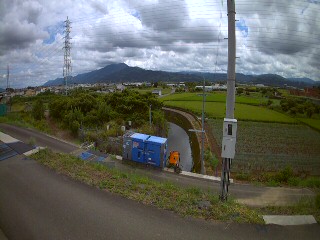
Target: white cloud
272,36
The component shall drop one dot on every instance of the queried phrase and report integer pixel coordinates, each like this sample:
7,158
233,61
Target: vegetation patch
242,112
270,147
186,202
306,206
215,97
314,123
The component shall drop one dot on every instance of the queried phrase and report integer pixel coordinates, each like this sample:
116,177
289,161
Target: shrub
38,110
284,175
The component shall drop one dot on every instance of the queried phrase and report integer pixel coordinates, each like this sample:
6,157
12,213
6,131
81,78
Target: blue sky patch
53,31
136,14
241,25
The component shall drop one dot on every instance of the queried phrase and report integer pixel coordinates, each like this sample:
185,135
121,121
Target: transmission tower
67,69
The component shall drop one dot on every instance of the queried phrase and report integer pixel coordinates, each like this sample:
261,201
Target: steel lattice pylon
67,69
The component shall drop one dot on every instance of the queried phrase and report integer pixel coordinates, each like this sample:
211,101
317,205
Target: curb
286,220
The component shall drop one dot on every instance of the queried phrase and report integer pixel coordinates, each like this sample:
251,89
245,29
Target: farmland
273,146
242,112
254,99
315,123
268,140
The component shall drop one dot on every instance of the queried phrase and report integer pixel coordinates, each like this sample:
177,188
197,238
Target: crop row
242,111
272,146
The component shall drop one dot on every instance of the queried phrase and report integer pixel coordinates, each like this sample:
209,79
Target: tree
239,91
38,110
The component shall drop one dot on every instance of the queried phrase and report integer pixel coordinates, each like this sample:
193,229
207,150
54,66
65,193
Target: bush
318,201
38,110
284,175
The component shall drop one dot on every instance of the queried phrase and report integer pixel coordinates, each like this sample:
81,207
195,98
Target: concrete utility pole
8,76
202,132
231,59
150,117
203,171
230,124
67,57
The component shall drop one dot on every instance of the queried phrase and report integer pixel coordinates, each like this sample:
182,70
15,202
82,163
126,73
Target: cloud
272,36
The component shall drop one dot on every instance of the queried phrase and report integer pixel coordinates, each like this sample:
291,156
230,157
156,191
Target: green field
163,91
273,146
315,123
254,99
242,112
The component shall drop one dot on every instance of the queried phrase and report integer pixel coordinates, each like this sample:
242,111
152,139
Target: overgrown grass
306,206
25,120
284,177
186,202
242,112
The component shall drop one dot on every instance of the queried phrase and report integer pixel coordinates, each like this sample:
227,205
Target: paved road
41,139
37,203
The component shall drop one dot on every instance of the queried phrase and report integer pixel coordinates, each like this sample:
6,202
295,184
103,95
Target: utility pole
8,75
150,115
202,128
202,132
230,124
67,58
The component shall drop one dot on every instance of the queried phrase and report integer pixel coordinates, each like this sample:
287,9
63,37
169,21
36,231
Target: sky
273,36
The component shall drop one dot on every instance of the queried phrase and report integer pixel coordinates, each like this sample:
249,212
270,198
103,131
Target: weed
164,195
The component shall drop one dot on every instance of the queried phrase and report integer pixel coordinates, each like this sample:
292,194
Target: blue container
145,149
156,151
138,147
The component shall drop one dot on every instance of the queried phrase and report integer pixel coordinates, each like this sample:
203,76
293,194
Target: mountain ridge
121,72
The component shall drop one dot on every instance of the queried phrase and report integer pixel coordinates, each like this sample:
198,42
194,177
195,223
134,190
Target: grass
186,202
163,91
25,120
315,123
306,206
216,97
242,111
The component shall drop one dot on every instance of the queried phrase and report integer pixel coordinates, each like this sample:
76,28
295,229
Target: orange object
174,158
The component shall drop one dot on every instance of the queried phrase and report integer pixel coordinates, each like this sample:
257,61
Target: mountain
123,73
303,80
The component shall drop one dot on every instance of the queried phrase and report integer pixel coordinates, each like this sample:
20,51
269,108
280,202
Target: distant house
157,92
30,92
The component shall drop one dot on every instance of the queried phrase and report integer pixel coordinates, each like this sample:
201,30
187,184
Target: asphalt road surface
41,139
37,203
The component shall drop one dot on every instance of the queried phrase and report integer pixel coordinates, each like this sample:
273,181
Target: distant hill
117,73
302,80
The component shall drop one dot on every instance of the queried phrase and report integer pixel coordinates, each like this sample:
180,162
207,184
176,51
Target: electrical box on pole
229,138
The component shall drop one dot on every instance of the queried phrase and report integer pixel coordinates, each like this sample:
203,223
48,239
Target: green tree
38,110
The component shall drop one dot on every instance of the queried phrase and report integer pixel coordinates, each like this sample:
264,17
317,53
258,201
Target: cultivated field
273,146
253,99
242,112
